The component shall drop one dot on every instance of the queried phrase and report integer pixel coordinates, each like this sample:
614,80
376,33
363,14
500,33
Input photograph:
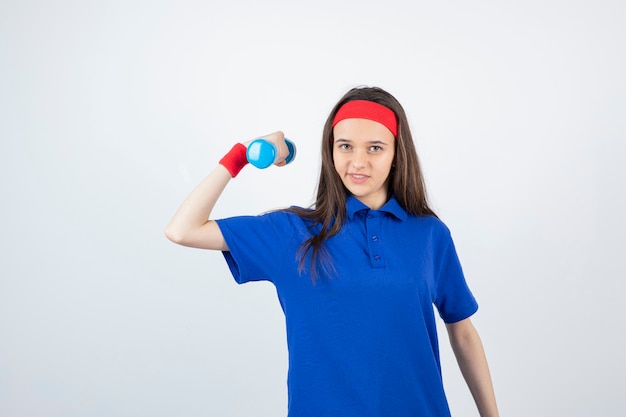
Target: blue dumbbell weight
262,153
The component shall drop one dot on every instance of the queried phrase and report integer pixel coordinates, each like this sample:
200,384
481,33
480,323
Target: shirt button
375,238
376,257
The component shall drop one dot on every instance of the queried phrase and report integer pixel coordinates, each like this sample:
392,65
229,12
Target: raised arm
470,355
191,225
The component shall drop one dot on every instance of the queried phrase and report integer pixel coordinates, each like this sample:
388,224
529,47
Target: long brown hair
406,182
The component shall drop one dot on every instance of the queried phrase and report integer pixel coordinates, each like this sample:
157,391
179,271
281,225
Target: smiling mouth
359,178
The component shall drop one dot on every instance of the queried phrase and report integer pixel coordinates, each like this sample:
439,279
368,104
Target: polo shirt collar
392,207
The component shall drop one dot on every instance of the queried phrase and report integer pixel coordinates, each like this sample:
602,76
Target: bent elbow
201,237
175,235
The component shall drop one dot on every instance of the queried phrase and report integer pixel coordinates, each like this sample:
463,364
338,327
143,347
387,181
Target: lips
358,178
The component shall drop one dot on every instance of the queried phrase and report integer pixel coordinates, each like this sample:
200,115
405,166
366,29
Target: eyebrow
371,142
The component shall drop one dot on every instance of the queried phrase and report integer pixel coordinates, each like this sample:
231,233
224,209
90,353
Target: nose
359,159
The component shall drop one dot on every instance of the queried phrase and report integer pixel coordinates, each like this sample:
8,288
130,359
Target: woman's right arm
191,225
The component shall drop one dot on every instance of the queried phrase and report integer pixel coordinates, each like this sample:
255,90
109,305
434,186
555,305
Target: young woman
357,274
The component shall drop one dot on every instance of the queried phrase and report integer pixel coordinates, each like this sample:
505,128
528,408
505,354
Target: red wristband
235,159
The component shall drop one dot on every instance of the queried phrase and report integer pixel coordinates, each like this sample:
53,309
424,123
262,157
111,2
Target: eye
375,148
344,146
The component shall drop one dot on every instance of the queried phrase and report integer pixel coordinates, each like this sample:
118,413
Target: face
363,153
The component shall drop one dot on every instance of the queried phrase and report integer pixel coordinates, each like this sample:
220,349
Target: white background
111,112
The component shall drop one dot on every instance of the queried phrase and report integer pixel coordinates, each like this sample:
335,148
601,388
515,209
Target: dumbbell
262,153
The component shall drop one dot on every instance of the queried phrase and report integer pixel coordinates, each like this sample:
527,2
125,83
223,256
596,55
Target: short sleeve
454,300
257,245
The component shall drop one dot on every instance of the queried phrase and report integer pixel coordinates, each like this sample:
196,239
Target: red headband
365,109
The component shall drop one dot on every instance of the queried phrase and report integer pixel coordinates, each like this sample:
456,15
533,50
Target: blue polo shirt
362,342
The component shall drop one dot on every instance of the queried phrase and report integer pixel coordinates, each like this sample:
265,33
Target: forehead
362,130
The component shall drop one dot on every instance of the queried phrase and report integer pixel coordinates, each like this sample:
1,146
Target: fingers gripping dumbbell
262,153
